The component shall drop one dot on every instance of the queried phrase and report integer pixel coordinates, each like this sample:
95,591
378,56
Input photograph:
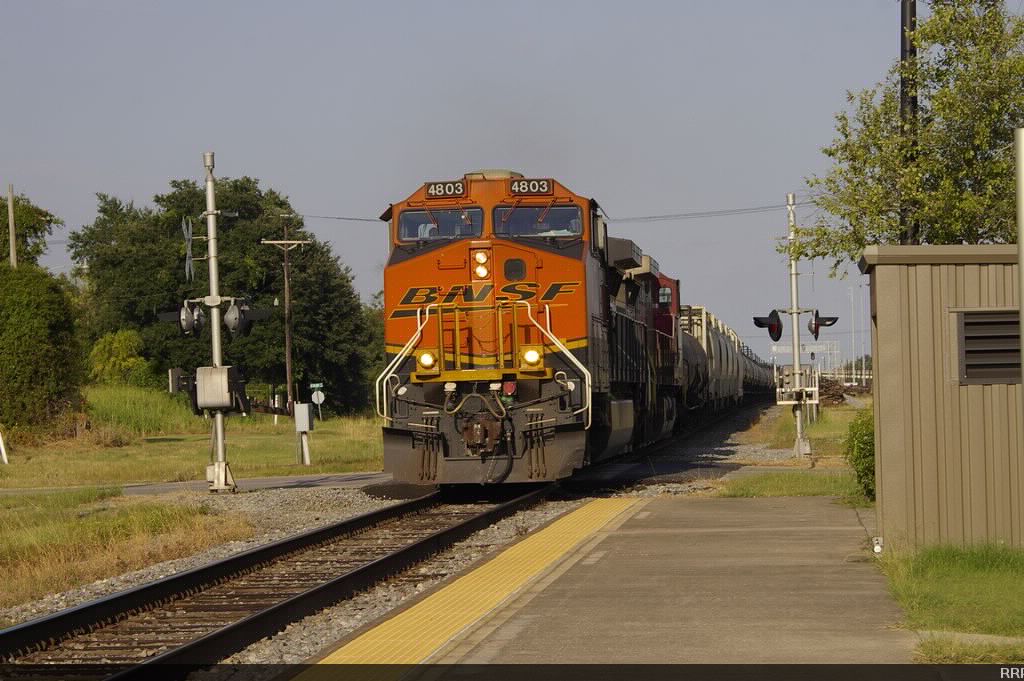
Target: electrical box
786,391
303,417
213,387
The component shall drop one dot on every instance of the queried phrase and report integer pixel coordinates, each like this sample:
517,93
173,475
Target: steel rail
212,647
15,640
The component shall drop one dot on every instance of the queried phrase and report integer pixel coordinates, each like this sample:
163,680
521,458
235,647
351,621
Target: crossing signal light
772,322
239,318
190,319
237,321
815,323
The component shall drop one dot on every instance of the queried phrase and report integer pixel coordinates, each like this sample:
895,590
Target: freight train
523,342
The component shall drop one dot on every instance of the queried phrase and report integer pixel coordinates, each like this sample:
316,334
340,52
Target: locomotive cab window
436,224
539,221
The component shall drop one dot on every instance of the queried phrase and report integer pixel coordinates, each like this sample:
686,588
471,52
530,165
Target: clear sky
648,107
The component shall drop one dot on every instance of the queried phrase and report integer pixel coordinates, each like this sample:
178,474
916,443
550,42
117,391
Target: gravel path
275,513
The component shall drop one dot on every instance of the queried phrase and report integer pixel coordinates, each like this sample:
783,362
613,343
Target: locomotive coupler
481,433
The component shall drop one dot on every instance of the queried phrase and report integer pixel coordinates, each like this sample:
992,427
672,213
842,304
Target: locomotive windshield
540,221
440,223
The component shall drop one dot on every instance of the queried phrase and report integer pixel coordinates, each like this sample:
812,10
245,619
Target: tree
117,358
32,225
132,260
953,177
40,367
373,350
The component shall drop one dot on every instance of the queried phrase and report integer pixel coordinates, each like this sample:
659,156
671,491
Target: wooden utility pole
10,225
286,245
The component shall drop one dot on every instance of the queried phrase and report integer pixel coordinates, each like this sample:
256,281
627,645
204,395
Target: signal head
772,322
186,320
815,323
233,318
200,316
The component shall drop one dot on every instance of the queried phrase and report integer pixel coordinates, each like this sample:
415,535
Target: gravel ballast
274,513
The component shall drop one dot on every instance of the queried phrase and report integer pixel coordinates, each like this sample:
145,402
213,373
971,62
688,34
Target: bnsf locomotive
523,342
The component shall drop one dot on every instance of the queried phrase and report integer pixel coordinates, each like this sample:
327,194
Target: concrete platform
702,580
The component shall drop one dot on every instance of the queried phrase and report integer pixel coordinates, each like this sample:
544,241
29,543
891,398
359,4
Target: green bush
40,366
860,450
116,358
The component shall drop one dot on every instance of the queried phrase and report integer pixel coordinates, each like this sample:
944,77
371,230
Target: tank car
523,342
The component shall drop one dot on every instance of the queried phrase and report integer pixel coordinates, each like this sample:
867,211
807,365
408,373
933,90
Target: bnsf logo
478,293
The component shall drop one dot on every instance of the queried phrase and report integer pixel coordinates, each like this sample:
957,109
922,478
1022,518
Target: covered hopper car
523,342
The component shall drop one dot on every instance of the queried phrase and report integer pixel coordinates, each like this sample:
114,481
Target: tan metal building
945,342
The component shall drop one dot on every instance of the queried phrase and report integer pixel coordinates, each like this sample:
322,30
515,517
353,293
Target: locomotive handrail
572,358
389,371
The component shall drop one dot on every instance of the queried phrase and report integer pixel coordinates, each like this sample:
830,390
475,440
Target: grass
974,590
164,442
52,542
139,411
948,650
796,484
338,445
826,435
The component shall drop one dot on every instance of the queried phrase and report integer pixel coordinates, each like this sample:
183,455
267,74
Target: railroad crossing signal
238,318
815,323
773,323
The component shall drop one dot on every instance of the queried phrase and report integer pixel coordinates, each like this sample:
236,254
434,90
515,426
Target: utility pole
221,478
908,104
801,446
287,245
865,329
10,225
853,341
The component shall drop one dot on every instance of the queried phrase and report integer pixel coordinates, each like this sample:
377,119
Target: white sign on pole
318,399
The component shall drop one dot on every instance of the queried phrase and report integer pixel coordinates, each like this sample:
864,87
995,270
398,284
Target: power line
722,212
339,217
690,215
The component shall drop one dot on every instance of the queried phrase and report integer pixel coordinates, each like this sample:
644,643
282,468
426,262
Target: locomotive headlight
480,257
427,360
481,272
531,356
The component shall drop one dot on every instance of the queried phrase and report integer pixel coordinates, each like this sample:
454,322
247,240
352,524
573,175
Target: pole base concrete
218,474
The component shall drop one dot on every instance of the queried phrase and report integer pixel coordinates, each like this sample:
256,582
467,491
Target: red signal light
815,323
772,322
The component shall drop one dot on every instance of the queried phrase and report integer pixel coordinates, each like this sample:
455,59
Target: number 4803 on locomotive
523,342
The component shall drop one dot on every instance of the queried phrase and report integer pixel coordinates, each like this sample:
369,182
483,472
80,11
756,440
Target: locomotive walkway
665,580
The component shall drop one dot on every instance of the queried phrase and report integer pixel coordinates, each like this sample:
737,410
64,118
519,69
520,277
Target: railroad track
199,617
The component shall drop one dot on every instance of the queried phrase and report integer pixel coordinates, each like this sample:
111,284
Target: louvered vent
990,347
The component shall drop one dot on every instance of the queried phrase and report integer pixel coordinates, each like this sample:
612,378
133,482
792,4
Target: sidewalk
704,580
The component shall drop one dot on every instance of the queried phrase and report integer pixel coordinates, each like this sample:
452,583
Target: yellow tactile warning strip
413,635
